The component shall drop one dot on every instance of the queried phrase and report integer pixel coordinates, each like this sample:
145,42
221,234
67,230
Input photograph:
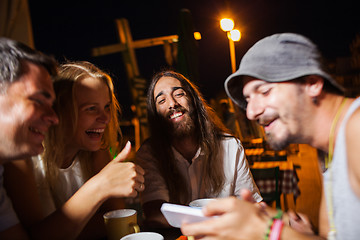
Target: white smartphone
178,214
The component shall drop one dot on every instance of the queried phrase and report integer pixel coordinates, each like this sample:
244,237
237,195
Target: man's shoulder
230,141
228,138
146,148
352,148
144,145
352,125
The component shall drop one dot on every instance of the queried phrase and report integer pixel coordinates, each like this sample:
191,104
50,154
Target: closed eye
266,92
264,89
108,107
91,108
178,93
37,101
161,101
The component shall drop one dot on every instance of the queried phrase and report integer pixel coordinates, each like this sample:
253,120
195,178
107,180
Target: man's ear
314,85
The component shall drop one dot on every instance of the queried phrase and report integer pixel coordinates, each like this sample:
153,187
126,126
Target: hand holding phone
176,214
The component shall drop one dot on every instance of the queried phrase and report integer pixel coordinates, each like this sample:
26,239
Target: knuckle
232,202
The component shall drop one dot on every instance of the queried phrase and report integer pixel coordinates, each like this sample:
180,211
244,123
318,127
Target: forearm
69,220
288,230
289,233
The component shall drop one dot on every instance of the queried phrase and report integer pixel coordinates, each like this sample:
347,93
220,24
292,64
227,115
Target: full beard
184,128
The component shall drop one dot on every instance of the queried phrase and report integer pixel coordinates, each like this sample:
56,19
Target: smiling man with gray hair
26,98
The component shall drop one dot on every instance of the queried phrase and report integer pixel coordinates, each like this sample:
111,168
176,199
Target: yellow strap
328,160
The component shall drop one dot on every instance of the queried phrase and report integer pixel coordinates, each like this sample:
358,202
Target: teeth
35,130
175,115
96,130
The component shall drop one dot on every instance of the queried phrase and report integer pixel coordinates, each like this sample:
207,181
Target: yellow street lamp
234,35
227,25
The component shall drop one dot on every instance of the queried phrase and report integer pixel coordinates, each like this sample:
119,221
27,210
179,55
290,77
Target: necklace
328,161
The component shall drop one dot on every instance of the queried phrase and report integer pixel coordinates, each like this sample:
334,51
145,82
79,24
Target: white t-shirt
69,181
236,169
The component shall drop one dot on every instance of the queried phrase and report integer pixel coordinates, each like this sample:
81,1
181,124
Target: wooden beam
150,42
109,49
143,43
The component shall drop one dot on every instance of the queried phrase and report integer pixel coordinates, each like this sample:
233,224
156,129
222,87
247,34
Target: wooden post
137,84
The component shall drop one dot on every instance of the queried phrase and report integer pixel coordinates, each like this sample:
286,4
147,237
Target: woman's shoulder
37,162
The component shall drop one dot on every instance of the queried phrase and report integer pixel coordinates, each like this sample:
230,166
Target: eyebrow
44,93
92,103
256,87
159,94
173,89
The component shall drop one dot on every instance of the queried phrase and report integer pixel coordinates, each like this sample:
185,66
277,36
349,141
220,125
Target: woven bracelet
270,223
278,215
276,229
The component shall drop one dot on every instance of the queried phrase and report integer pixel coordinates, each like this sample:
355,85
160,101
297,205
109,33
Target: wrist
96,189
276,229
275,221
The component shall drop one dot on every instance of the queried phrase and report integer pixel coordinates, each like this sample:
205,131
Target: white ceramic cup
120,222
143,236
200,203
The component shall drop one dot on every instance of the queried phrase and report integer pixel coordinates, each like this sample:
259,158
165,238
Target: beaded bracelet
278,215
276,229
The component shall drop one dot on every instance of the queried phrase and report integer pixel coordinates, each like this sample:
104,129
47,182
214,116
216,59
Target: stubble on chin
276,144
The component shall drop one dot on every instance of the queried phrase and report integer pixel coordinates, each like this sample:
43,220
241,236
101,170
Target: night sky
70,29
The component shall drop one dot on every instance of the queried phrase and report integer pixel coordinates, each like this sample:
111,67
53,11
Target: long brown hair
66,108
209,132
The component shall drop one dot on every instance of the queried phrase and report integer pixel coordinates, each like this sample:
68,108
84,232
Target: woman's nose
104,117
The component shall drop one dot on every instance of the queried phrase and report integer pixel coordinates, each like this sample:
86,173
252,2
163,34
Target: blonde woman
75,174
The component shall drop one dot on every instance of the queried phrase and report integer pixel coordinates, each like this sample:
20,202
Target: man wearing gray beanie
282,84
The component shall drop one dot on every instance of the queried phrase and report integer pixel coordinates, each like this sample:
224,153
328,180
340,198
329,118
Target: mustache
176,109
266,120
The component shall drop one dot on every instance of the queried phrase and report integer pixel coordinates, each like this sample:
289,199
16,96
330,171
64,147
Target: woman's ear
314,85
